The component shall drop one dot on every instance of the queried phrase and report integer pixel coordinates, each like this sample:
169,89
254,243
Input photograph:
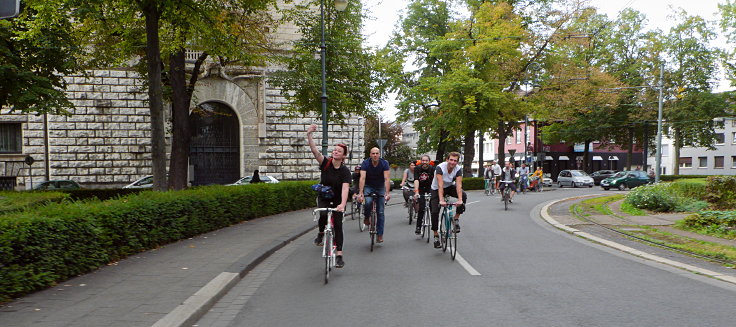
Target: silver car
264,178
574,178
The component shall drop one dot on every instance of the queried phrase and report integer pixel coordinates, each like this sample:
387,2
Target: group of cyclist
371,181
498,178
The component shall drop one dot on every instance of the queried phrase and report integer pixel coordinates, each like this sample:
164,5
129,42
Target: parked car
574,178
145,182
600,175
264,178
625,179
62,184
547,182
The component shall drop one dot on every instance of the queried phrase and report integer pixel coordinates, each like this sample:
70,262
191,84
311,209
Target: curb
546,216
197,305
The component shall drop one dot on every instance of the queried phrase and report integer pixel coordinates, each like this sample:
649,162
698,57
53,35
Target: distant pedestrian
256,177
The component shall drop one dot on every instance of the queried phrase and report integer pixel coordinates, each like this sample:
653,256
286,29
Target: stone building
105,142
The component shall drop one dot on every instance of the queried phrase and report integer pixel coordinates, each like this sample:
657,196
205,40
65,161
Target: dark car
62,184
600,175
625,179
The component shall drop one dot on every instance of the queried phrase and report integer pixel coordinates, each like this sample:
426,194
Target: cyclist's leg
379,211
434,205
322,221
367,202
337,221
421,203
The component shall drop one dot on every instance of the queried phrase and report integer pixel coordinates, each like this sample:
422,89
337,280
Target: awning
563,158
612,158
597,158
548,158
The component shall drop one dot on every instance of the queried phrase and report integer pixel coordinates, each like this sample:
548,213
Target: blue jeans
367,190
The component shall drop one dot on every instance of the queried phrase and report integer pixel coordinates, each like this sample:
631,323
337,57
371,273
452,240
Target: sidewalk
557,214
142,289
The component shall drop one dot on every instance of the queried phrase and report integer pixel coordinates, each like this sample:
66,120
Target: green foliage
473,183
721,192
36,50
15,201
669,178
716,223
728,27
690,188
655,197
353,83
52,243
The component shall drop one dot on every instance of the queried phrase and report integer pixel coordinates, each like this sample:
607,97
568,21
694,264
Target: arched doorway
214,152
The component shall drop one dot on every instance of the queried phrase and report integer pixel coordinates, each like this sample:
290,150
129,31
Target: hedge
11,201
669,178
52,243
721,192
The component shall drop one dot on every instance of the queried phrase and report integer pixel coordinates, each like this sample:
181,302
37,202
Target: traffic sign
9,8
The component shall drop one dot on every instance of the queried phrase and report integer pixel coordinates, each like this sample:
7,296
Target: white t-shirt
447,177
496,169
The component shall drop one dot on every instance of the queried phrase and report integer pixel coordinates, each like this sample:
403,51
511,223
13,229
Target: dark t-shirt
374,175
334,178
424,176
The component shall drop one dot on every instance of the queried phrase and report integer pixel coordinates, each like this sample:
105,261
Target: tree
395,151
37,49
728,26
353,84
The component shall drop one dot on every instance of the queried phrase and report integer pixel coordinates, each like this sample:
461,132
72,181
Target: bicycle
506,194
523,183
328,242
373,219
448,230
355,209
427,221
412,204
488,187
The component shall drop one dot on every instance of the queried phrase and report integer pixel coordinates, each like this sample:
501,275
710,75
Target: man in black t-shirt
337,176
423,174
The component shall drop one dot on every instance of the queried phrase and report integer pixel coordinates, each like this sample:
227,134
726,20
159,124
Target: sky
385,15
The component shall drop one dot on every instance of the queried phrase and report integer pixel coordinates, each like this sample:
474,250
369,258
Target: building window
720,138
508,140
11,138
702,162
718,162
733,140
733,161
665,150
686,162
518,137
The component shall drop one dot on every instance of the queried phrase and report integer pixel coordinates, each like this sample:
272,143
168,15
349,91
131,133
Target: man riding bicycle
407,183
374,178
508,174
423,176
488,177
496,172
448,180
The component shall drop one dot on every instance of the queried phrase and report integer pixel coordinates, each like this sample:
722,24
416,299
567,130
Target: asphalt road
530,275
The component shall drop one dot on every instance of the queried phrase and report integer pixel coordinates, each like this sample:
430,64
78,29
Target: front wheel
506,200
621,187
372,230
361,225
411,211
453,240
444,229
574,185
328,256
606,188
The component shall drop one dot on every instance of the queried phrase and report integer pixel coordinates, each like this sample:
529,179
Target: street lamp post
658,160
340,5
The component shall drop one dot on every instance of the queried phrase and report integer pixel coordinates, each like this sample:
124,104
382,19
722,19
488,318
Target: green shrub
101,194
655,197
670,178
692,188
473,183
721,192
11,201
54,242
717,223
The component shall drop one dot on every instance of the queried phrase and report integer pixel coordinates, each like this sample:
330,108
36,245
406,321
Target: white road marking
472,202
466,265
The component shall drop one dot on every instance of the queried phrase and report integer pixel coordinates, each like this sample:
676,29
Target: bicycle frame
447,229
329,248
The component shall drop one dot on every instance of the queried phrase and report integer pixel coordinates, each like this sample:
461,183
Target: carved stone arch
244,106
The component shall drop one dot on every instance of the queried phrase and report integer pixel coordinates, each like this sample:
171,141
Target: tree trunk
630,152
155,99
181,135
469,153
441,148
586,157
501,143
481,140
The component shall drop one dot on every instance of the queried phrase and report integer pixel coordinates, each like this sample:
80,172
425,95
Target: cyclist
356,179
536,178
423,176
374,177
447,175
523,173
488,176
508,174
336,175
407,182
496,172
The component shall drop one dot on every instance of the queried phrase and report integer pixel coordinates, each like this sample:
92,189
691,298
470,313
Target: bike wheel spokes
453,241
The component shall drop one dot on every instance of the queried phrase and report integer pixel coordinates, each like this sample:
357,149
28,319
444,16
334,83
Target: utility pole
658,161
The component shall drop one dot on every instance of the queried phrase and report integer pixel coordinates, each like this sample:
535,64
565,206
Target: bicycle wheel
353,209
505,200
411,211
427,224
372,230
453,240
361,225
328,255
444,229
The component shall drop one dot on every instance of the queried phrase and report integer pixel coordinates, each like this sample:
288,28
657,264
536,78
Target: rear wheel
606,188
574,185
621,187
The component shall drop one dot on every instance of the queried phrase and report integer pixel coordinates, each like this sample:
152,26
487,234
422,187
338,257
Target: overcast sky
385,15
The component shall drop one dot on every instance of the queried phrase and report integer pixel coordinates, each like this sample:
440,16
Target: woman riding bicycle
407,183
337,176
